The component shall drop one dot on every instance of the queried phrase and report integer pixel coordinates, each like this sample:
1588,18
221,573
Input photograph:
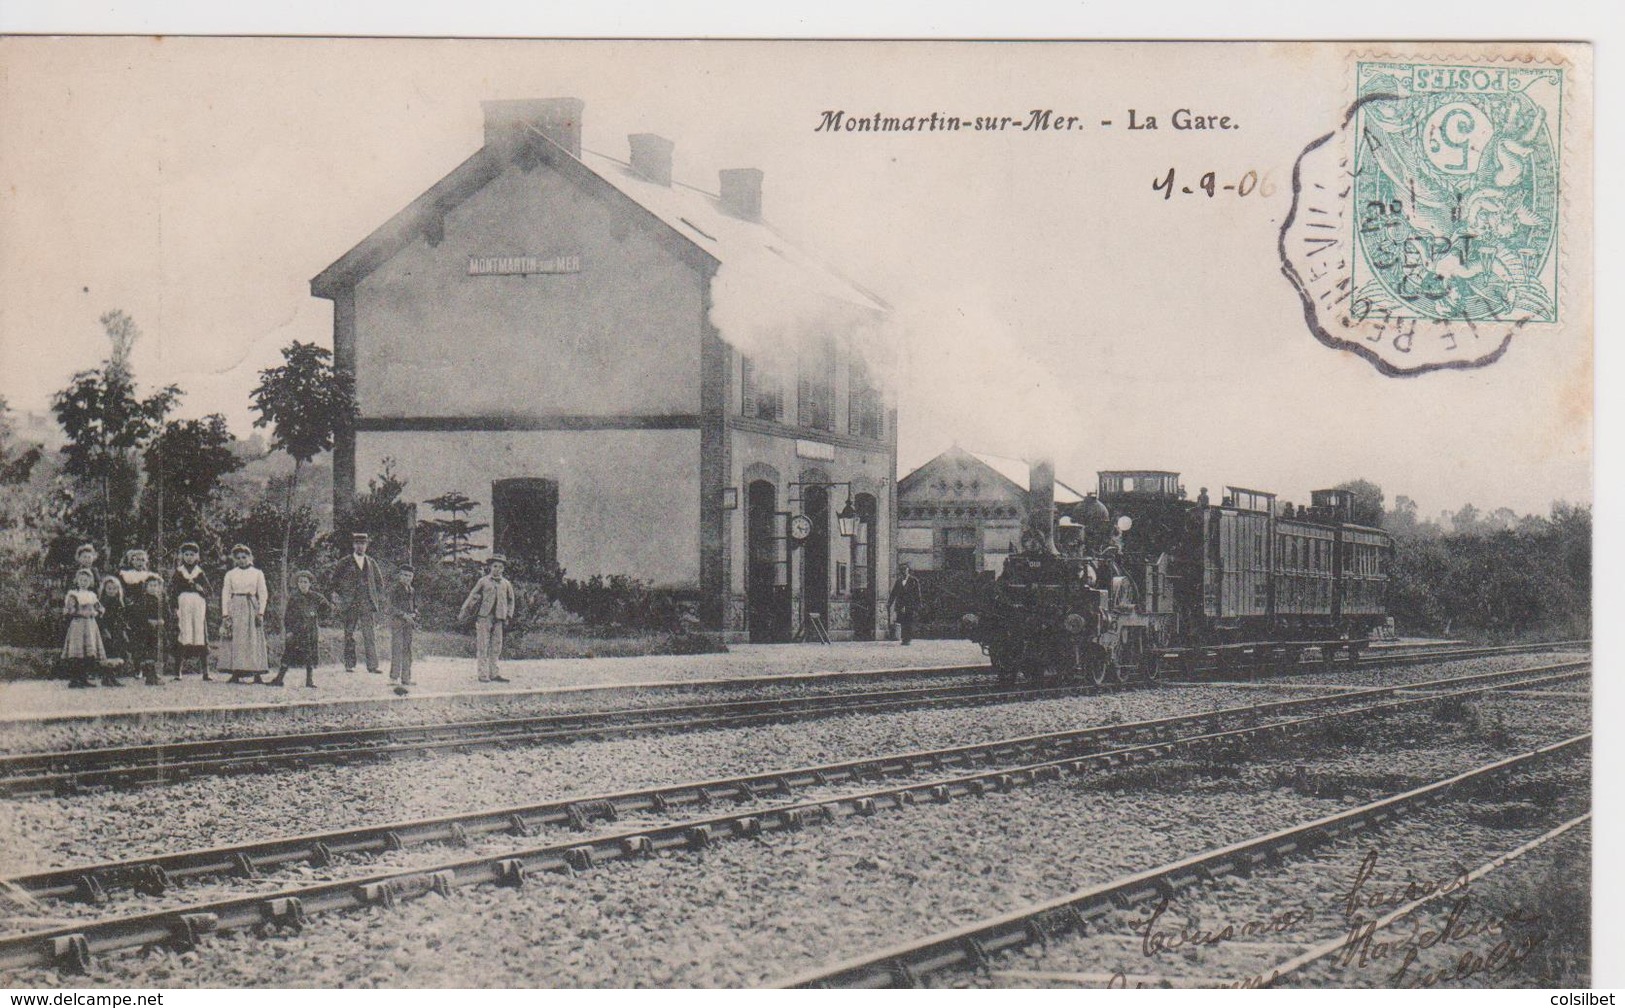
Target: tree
454,533
107,424
185,464
1367,501
306,402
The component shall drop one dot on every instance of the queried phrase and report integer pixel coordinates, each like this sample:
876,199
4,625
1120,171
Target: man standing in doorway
358,594
905,601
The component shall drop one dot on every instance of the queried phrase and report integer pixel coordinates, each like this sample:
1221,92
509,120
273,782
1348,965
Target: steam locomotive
1136,575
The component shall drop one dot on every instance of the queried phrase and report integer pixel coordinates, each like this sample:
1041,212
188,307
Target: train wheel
1094,659
1067,660
1116,669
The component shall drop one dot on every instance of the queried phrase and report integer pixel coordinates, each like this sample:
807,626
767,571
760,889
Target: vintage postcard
762,513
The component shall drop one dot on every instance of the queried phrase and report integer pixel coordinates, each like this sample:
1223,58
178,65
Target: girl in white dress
82,647
242,632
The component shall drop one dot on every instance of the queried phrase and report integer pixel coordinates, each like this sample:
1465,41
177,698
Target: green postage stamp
1428,229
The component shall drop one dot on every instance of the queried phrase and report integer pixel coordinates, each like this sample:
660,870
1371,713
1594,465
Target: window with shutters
815,387
762,391
864,415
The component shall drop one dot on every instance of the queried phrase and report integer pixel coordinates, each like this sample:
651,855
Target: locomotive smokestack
1041,500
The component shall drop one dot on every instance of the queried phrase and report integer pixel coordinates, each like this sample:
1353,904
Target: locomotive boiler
1109,588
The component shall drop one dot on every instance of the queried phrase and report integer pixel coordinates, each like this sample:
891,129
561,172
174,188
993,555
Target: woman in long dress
242,632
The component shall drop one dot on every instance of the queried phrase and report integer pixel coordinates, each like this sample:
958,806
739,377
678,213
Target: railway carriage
1138,570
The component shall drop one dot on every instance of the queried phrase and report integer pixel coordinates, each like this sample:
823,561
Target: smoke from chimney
1041,499
558,119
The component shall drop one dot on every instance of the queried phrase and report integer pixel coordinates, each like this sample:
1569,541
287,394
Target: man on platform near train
357,588
491,604
905,601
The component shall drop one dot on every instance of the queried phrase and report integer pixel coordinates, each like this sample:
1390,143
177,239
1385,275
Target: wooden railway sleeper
189,927
71,953
150,880
511,872
699,837
579,858
89,889
321,855
286,912
864,806
639,845
976,954
748,826
902,974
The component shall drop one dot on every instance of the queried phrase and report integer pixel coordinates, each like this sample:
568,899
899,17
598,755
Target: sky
1046,300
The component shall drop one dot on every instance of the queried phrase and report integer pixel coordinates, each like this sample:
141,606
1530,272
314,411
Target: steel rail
152,875
69,771
1386,660
973,945
66,771
1321,951
71,946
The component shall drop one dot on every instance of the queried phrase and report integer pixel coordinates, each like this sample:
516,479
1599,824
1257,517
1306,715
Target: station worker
403,619
243,596
357,587
190,588
905,601
491,604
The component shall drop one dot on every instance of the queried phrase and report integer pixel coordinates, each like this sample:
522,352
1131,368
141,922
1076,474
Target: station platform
441,678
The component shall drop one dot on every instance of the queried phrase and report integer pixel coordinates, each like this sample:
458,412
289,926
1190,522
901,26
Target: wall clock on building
800,527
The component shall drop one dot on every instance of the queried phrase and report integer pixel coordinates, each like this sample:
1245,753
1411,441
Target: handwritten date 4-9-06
1249,183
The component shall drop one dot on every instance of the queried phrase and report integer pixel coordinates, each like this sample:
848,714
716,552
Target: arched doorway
815,558
767,582
863,568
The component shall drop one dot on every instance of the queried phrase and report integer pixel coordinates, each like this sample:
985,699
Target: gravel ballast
747,913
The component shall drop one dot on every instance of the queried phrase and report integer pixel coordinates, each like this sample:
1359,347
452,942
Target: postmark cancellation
1428,229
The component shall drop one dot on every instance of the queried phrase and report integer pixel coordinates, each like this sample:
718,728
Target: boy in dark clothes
403,617
144,618
299,627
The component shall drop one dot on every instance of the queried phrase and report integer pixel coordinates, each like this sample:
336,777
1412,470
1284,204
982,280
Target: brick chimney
651,157
559,119
742,192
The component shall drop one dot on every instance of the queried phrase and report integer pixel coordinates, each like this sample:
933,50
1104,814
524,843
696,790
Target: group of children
119,623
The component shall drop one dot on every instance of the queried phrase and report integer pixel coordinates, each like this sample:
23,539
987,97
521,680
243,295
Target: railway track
973,946
70,771
997,766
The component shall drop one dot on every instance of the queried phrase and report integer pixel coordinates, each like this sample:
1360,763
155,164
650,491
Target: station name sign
522,265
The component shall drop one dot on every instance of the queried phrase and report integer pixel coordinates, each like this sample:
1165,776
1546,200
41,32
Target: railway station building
630,375
963,511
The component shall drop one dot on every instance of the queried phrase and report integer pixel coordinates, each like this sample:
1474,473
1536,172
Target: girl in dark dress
299,627
115,629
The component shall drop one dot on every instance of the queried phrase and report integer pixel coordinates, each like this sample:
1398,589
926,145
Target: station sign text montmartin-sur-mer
522,265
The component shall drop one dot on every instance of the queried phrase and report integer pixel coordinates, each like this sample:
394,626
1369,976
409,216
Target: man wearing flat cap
491,605
357,587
